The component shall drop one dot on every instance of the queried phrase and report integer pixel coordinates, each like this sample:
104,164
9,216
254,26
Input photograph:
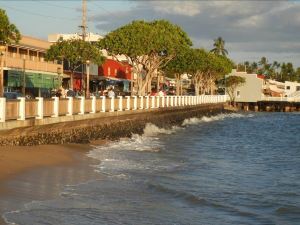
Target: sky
251,29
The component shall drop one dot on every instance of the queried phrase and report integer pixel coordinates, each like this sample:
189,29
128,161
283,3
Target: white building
291,89
251,90
91,37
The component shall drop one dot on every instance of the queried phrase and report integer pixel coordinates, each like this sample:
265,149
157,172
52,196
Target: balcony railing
18,63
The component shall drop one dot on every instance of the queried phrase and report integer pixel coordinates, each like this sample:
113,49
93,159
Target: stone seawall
110,127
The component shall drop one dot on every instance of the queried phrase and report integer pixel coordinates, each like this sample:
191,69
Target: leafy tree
8,31
219,47
206,68
178,66
231,84
148,47
76,52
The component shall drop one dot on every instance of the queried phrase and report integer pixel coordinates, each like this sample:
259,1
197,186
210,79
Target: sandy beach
33,173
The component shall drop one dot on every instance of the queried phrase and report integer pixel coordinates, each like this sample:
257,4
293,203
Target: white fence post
40,108
175,100
70,106
152,102
2,109
93,104
163,101
141,102
157,101
21,108
112,104
167,101
127,103
81,105
120,103
103,108
134,103
55,106
171,101
147,102
179,100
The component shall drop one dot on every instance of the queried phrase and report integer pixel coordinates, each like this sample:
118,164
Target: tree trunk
72,80
178,83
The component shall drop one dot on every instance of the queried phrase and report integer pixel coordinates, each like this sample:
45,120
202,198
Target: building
273,88
25,69
90,37
251,90
291,89
116,73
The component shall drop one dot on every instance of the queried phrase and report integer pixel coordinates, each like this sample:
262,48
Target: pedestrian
111,93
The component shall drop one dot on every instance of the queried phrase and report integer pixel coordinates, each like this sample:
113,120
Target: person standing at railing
111,93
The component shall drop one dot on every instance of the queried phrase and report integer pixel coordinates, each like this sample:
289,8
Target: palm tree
219,47
254,67
276,66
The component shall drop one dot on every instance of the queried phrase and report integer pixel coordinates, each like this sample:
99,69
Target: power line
54,5
107,11
38,14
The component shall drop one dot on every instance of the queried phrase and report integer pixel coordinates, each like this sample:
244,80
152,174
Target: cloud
258,27
186,8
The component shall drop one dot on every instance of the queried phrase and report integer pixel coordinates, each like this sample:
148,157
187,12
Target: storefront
36,84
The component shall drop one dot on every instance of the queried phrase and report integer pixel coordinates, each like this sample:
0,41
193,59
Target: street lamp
87,78
59,72
2,51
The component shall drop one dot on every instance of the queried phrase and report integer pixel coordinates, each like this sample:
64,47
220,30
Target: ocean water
227,169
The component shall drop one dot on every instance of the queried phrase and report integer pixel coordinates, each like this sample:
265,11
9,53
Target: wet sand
41,172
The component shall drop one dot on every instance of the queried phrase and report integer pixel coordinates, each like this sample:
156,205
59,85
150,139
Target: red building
115,70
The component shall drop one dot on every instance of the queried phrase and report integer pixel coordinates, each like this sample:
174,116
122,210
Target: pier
272,104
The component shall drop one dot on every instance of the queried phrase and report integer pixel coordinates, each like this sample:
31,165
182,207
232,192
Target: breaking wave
195,120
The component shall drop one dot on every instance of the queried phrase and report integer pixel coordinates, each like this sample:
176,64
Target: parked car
12,95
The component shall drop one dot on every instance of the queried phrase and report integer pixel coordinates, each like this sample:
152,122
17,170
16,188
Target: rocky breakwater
110,127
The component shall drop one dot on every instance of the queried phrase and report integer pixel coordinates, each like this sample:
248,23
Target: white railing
280,99
39,108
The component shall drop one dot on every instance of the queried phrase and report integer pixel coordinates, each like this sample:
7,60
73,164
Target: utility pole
83,24
83,34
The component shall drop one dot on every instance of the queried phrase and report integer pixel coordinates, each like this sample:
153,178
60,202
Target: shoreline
107,128
40,172
37,173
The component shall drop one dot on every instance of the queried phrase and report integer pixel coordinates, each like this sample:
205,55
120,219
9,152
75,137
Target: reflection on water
226,169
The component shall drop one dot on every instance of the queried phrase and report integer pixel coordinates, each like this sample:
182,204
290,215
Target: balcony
18,63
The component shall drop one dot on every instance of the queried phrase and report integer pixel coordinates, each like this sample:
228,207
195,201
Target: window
288,87
238,94
298,88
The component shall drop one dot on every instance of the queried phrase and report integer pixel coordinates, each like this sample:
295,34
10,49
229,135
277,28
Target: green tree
206,68
76,52
219,47
231,84
148,47
177,67
8,31
254,67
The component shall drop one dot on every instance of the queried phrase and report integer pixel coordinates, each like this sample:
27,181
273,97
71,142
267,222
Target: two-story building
25,69
251,90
